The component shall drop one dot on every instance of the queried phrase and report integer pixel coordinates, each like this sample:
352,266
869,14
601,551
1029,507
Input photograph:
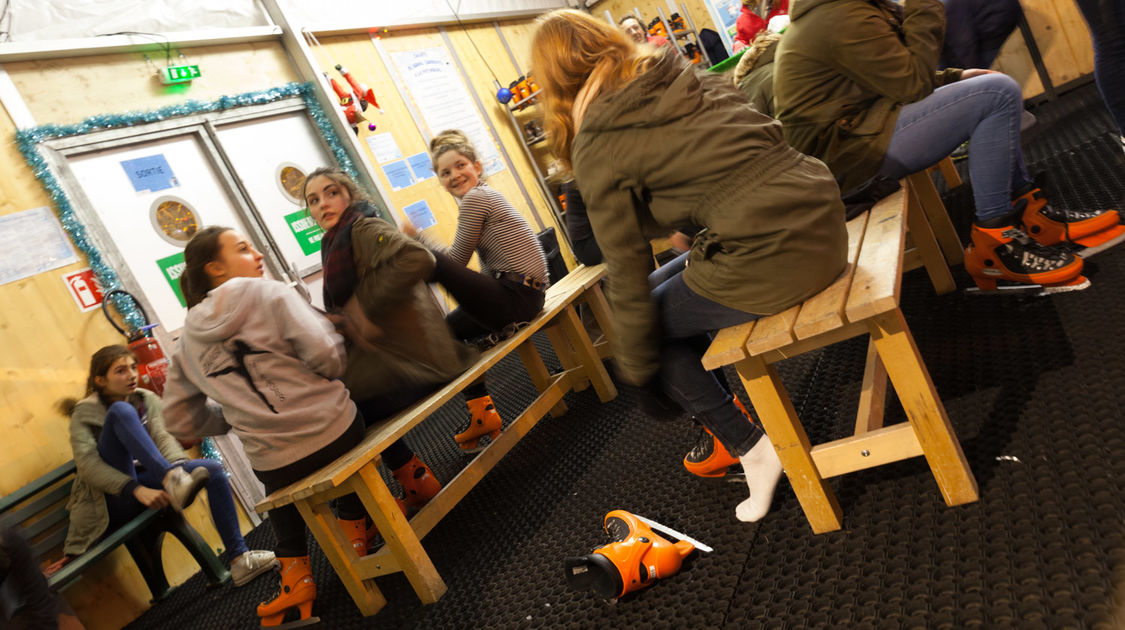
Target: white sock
763,470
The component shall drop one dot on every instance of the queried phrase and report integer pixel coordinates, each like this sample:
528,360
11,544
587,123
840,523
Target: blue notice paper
420,164
398,173
150,174
420,215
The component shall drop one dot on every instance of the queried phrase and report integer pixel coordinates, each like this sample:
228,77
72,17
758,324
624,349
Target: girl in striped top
508,289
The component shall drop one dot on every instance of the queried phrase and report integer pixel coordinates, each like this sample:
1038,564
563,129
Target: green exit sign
179,74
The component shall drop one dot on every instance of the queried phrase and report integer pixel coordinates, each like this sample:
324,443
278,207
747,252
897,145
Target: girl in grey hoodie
273,364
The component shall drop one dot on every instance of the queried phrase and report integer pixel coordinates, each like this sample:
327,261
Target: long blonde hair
570,48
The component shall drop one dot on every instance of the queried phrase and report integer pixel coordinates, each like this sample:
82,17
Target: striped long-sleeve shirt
489,225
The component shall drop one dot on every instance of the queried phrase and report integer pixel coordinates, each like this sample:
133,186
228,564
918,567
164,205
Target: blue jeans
1106,19
124,439
687,318
984,110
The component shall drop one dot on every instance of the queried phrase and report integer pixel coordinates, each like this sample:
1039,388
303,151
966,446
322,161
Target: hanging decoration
29,139
354,99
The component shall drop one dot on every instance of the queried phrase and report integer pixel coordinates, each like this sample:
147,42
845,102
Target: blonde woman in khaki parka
657,146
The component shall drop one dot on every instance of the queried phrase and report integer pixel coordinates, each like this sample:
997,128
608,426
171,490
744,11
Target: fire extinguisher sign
84,288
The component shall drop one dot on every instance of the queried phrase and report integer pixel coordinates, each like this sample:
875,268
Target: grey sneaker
182,486
252,564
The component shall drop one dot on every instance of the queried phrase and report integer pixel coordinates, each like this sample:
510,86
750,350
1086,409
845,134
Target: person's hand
969,73
679,240
352,323
409,229
151,497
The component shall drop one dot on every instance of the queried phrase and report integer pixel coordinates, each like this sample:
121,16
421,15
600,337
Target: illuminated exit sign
179,74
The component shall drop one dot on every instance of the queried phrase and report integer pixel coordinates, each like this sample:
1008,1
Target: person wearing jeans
127,462
1106,19
855,84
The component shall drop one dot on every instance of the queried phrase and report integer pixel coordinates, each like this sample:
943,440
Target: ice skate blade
299,623
1088,247
1034,290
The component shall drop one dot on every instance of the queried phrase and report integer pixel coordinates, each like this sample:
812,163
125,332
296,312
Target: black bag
556,267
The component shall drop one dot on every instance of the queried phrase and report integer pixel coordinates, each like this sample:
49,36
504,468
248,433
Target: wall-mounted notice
150,174
420,215
173,267
421,166
398,173
444,102
305,230
384,147
725,13
84,288
32,242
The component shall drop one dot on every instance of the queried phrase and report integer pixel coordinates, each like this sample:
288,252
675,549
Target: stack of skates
1038,248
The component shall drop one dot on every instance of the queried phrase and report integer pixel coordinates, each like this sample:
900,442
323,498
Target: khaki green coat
676,148
843,71
89,516
416,346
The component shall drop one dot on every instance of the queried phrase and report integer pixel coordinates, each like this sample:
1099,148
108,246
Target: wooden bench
38,512
934,243
863,300
357,470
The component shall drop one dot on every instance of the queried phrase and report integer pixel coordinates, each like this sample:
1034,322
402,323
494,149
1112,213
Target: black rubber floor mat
1031,385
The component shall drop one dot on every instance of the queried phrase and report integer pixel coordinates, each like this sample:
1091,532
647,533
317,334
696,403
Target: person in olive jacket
656,145
855,85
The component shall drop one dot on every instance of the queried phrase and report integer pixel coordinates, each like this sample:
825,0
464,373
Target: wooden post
921,185
925,243
783,427
587,356
919,399
538,373
330,536
873,396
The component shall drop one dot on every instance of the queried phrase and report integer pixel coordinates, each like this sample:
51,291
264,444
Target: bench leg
538,373
565,353
783,428
400,537
922,233
949,172
330,536
595,298
212,567
145,549
919,399
873,396
922,186
587,356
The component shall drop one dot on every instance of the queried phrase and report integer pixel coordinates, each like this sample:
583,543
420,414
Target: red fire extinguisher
152,365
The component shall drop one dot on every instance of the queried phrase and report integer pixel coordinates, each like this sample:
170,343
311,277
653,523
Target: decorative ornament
209,451
28,140
504,95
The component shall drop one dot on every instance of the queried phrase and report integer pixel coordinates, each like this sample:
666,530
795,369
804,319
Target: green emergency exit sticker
173,267
305,230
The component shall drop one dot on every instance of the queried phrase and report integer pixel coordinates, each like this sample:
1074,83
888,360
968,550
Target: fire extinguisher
152,365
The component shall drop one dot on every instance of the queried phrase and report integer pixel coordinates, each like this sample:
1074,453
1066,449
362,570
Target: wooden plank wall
1063,40
46,342
359,54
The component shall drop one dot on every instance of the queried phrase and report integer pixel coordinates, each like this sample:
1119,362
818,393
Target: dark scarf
337,260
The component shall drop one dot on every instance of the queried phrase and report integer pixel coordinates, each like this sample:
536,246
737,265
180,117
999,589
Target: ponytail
201,249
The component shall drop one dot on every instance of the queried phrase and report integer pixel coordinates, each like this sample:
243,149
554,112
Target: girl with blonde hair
657,146
513,277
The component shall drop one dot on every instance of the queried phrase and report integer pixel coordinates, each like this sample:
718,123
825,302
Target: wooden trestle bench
863,300
357,470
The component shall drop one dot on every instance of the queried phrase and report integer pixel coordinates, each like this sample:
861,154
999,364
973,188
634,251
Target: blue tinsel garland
29,139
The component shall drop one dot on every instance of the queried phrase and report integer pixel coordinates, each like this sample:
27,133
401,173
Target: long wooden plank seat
357,470
863,300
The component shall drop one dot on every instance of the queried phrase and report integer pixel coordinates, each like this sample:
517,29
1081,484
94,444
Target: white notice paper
32,242
384,147
444,102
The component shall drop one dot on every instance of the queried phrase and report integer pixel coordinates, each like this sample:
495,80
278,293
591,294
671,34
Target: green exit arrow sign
179,74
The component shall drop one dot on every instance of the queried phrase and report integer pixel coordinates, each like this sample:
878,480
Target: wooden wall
46,342
1063,40
697,9
359,54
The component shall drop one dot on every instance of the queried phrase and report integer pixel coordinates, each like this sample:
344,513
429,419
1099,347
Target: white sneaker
763,471
182,487
252,564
